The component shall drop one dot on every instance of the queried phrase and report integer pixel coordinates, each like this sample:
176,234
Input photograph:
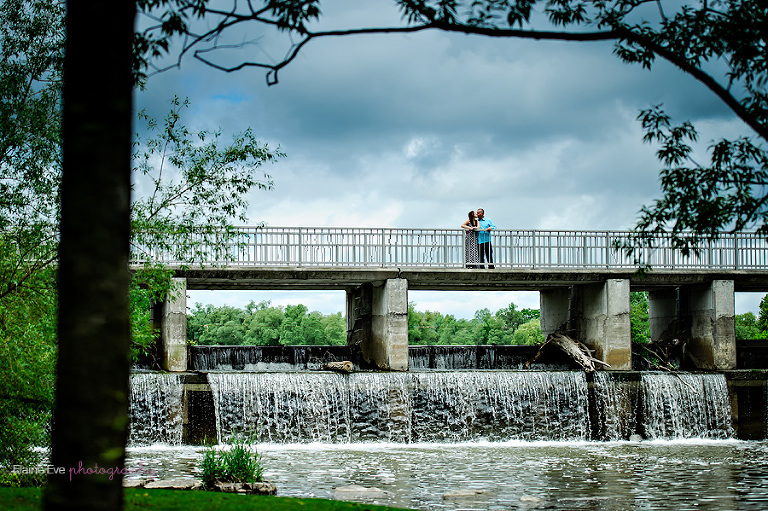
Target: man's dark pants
486,254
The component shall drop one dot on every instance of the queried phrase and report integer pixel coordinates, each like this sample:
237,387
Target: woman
470,227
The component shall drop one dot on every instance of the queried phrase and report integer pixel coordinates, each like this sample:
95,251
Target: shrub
238,464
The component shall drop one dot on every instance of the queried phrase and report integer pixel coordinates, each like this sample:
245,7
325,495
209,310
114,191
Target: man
484,239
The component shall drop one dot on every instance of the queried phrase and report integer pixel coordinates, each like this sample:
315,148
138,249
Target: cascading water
433,406
401,407
615,407
156,409
493,357
435,439
442,357
685,406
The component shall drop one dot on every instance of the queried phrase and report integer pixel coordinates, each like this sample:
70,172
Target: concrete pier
173,327
605,325
377,321
595,314
703,317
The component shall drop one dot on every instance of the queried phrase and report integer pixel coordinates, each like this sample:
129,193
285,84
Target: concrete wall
173,331
702,316
359,318
605,325
664,314
377,321
595,314
555,309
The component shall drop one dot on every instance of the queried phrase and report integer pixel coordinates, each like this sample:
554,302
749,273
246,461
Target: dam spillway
442,406
466,438
156,409
401,407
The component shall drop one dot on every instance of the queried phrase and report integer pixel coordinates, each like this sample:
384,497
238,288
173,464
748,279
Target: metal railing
342,247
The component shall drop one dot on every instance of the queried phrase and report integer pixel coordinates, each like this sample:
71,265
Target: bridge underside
695,307
275,278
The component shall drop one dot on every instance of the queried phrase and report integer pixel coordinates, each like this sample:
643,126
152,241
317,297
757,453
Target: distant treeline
267,325
264,324
509,325
751,327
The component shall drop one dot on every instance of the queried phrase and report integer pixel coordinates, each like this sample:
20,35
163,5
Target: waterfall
401,407
685,406
311,357
442,357
155,411
615,404
500,406
268,358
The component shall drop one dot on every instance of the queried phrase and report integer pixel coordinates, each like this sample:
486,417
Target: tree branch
697,73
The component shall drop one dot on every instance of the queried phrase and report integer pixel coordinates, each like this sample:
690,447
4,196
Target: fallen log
575,350
340,367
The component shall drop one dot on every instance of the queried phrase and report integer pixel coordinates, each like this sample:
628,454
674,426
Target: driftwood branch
658,358
576,350
339,367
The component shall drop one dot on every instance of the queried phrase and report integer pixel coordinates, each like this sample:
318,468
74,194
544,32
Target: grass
28,499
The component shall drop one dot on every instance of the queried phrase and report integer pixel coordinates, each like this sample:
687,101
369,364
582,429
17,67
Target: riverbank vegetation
240,463
751,327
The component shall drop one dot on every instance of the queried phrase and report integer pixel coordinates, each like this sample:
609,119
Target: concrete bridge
583,280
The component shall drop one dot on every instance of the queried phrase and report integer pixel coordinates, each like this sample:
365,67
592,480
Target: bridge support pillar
173,327
359,304
605,326
555,310
377,320
595,314
703,316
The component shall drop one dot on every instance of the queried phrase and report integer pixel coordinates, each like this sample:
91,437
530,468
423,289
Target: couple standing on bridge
477,240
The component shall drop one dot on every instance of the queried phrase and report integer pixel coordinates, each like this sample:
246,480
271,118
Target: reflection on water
658,475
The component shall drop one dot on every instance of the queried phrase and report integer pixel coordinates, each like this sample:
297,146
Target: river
675,475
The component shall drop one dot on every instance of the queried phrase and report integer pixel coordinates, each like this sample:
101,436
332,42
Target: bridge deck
270,278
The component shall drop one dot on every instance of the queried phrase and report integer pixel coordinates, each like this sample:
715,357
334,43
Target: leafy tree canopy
194,187
265,325
486,327
31,55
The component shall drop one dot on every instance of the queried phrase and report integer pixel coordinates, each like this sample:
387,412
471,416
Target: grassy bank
28,499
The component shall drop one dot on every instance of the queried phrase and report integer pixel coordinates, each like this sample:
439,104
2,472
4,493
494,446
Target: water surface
674,475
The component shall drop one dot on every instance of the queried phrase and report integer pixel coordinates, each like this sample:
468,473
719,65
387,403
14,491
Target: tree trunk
340,367
575,350
91,409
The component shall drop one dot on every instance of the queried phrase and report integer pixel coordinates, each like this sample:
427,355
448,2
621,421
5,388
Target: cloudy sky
416,130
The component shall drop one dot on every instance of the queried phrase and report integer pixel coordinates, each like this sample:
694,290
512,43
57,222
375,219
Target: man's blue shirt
482,235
